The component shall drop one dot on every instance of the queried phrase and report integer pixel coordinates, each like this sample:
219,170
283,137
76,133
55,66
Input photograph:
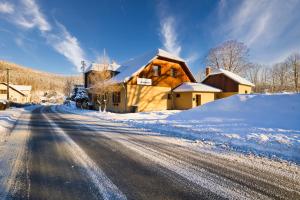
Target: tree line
234,56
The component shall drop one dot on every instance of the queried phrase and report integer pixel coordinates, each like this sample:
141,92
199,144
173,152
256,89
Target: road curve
77,157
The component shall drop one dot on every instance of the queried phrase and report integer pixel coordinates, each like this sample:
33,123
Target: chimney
207,71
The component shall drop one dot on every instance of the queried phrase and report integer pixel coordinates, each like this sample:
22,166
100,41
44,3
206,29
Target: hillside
40,81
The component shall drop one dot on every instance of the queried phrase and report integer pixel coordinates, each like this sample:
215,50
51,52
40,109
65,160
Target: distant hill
40,81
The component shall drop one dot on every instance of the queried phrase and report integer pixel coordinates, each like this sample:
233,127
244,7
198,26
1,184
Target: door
198,99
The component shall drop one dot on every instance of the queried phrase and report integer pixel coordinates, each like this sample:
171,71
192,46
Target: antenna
83,70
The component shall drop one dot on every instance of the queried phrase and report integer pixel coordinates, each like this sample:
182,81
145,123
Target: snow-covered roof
196,87
101,66
135,65
232,76
22,87
19,88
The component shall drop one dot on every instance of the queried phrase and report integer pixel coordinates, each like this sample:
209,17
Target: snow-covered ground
12,142
7,120
260,124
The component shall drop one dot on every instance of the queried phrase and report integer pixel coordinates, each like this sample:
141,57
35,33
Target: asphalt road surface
69,156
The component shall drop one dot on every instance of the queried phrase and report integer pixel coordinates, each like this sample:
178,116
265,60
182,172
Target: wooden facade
153,97
168,68
222,82
151,86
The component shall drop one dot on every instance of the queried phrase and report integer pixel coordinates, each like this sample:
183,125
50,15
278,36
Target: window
116,97
177,95
156,70
2,91
246,92
173,72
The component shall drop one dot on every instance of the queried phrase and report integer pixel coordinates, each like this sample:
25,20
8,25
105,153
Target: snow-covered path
71,156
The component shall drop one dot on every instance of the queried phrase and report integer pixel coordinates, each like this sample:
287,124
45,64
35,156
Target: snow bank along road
68,156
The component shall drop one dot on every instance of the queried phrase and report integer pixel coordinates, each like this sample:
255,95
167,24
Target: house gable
11,87
131,68
165,79
222,82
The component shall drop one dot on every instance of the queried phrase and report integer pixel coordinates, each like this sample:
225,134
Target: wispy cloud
169,35
190,59
260,24
19,41
28,15
6,7
67,45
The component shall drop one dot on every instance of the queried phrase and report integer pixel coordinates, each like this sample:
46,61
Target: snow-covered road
68,156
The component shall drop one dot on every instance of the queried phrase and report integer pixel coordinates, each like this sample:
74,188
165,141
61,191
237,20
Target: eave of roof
14,89
195,87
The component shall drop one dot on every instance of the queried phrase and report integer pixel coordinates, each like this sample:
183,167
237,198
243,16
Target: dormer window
156,70
173,72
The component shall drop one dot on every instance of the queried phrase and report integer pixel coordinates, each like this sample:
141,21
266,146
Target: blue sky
56,35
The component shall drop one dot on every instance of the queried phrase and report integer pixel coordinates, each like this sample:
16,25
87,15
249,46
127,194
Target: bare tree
200,75
68,87
230,55
264,84
101,86
294,62
281,76
253,73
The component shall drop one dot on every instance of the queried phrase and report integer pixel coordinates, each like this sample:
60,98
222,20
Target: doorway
198,100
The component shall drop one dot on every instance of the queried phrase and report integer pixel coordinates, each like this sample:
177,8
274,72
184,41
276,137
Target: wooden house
229,82
159,81
17,93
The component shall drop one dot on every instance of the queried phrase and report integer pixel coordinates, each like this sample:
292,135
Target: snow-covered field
260,124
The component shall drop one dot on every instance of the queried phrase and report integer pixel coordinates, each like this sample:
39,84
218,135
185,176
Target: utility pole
7,83
83,70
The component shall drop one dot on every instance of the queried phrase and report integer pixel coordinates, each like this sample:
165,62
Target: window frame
173,72
156,69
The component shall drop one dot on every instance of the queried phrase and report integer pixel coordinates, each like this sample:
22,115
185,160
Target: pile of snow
3,101
276,111
8,119
260,124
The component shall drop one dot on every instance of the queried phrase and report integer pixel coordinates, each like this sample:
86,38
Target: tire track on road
137,176
245,180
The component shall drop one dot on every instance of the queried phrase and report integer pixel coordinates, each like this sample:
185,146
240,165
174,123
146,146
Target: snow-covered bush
80,96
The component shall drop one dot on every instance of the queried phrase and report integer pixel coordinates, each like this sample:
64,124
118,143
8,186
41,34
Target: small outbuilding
189,95
229,82
17,93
